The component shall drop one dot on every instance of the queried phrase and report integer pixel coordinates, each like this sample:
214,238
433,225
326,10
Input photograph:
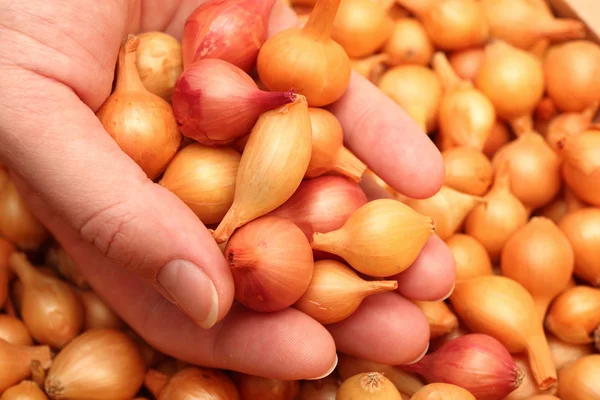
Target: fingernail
335,363
421,356
447,296
192,290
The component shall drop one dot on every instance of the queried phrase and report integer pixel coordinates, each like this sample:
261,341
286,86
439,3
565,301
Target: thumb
58,146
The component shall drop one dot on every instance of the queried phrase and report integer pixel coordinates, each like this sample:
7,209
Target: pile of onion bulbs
509,93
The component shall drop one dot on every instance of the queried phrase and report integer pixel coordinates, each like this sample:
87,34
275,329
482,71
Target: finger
431,277
388,140
65,154
386,328
298,347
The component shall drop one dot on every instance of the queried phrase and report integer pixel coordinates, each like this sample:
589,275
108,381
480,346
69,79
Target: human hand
128,234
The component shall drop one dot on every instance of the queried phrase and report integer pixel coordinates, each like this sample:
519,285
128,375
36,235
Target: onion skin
476,362
522,23
155,381
204,179
466,63
470,257
406,383
574,316
494,222
579,380
539,257
159,63
570,124
581,166
565,353
322,389
142,123
417,90
442,391
264,183
361,27
512,79
502,308
15,362
571,70
336,291
14,331
50,308
408,44
97,313
231,31
368,386
26,390
380,227
371,67
303,58
451,24
530,158
6,249
441,319
499,136
322,204
260,254
216,102
254,387
103,352
17,223
467,170
582,228
199,383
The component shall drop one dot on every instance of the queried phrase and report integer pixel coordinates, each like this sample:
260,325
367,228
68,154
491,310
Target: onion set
6,249
159,62
15,362
142,123
255,387
58,258
467,170
466,63
441,319
336,291
380,239
581,166
564,353
470,256
582,228
408,44
199,383
579,380
26,390
14,331
368,386
574,316
442,391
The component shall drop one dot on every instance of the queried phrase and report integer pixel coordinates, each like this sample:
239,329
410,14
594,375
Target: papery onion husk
255,387
231,31
159,62
441,319
336,291
322,204
408,44
448,207
582,228
442,391
467,170
384,228
476,362
142,123
470,257
304,58
199,383
216,102
26,390
581,165
104,353
579,380
17,224
368,385
203,178
574,317
260,255
530,159
15,362
14,331
406,383
502,308
361,27
50,308
271,167
539,257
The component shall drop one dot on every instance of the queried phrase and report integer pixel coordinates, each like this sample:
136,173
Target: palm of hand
57,67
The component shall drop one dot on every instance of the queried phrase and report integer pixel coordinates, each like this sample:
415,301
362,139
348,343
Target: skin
56,68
